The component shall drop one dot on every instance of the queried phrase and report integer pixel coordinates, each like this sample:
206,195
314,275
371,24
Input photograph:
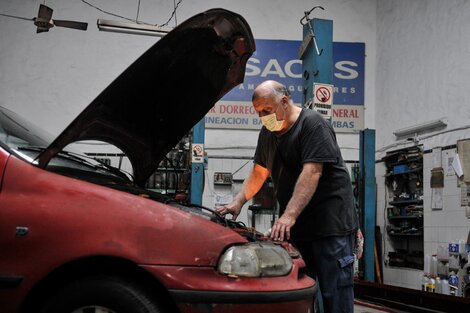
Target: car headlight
255,260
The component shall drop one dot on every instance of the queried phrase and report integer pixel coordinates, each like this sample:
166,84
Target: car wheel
100,295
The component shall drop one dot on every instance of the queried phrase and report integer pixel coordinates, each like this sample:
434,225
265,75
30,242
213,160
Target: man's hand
359,247
281,229
303,191
233,208
251,186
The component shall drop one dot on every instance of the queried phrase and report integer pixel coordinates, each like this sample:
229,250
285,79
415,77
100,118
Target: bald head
269,89
272,98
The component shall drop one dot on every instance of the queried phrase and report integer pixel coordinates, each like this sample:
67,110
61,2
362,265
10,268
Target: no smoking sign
323,94
197,155
323,99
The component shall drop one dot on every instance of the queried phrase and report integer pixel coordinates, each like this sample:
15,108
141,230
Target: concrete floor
365,309
361,306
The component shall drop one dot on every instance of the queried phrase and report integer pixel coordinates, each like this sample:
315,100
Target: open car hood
165,92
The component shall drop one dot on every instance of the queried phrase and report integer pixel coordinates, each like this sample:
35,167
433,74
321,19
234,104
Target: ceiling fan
44,20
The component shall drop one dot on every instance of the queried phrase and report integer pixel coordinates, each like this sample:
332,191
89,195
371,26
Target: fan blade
18,17
71,24
41,30
45,12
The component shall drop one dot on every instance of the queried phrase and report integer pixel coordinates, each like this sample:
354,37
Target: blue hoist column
367,198
316,53
197,163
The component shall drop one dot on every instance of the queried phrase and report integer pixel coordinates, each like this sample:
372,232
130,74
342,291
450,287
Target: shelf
163,191
406,202
407,235
405,217
405,212
417,267
415,151
410,160
171,169
414,170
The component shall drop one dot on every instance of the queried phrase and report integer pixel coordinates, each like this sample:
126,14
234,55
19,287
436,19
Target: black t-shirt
311,139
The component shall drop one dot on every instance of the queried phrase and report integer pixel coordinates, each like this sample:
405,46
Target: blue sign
348,73
454,248
278,60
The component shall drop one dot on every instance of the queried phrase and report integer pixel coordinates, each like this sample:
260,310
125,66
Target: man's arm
304,189
251,186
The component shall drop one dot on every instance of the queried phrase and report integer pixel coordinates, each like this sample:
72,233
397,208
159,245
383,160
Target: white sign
233,115
323,99
347,118
221,200
197,153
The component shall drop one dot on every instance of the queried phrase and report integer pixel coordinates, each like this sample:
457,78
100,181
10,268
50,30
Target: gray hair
281,90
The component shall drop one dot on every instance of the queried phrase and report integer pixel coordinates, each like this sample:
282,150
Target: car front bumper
292,301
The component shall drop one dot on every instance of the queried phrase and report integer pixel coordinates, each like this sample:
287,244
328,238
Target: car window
27,141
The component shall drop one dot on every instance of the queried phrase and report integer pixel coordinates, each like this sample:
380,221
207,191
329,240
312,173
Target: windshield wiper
83,159
100,165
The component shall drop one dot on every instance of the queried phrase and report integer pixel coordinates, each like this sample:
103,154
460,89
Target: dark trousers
330,260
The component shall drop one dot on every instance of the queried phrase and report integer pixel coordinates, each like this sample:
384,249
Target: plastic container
427,264
454,262
433,266
438,285
445,287
442,253
453,284
443,268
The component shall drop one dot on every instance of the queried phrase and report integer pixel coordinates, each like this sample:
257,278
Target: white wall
423,65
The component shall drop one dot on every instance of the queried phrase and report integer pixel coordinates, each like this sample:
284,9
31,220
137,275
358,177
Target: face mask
271,123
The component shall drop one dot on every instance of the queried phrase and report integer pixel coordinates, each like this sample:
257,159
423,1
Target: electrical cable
384,248
172,14
240,168
138,10
113,14
174,6
136,20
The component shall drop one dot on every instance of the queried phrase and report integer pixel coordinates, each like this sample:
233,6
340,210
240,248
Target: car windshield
27,141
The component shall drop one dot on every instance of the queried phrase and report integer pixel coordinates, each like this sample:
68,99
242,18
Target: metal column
197,168
368,199
316,53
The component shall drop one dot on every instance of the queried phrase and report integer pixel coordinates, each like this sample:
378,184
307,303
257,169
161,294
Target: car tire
101,294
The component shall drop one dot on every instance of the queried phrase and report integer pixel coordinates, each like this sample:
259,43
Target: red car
79,236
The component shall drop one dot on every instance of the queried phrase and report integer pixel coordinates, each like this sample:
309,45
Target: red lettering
345,113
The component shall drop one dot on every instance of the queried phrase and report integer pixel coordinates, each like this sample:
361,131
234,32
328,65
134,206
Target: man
298,149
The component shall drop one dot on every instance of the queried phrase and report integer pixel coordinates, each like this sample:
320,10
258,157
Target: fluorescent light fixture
419,128
132,28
